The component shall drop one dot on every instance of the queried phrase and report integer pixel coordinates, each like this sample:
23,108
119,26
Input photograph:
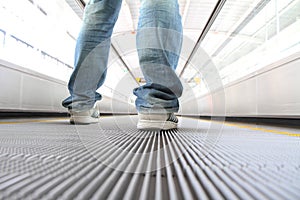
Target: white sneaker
85,117
157,121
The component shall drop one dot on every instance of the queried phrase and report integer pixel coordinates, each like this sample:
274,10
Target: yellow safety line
37,121
225,123
32,121
263,129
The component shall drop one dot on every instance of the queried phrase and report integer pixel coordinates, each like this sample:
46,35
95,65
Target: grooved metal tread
113,160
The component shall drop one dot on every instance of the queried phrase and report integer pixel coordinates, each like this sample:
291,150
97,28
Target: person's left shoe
85,117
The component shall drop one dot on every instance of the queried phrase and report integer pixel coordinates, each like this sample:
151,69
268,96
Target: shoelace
95,113
172,118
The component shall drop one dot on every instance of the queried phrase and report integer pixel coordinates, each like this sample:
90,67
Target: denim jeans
159,40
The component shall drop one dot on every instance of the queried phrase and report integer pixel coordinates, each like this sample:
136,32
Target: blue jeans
159,41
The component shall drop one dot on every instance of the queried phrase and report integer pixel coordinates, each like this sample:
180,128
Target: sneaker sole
83,120
156,125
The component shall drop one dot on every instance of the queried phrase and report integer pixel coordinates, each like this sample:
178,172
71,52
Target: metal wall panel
271,92
26,90
279,91
241,98
10,82
22,89
37,93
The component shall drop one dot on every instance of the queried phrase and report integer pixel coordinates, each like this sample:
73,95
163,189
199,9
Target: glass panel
40,35
248,35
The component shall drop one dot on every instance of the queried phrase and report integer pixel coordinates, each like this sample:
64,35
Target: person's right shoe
157,121
85,117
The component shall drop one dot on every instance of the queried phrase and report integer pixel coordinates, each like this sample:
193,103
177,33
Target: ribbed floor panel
113,160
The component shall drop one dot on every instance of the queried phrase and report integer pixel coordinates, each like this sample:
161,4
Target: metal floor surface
50,159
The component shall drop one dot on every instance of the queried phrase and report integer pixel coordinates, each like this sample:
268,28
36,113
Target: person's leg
91,54
159,41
